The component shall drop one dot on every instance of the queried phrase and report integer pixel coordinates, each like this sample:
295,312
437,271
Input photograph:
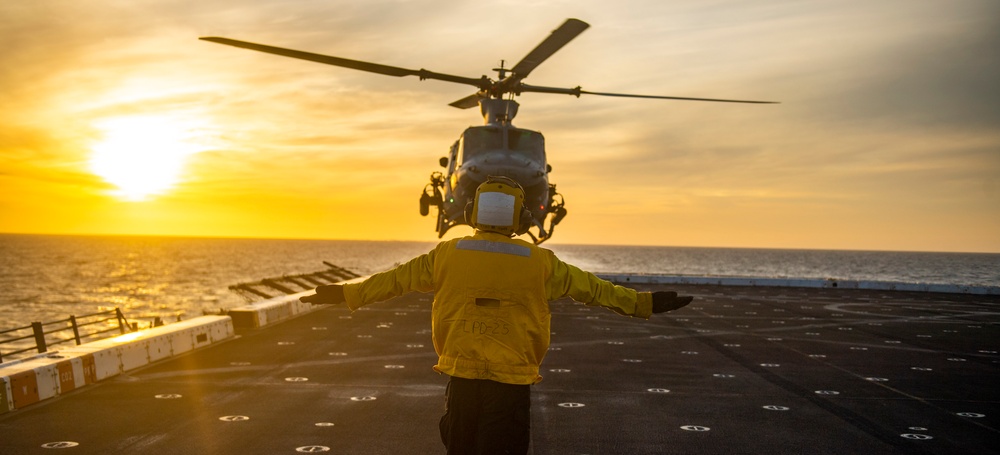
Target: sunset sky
116,119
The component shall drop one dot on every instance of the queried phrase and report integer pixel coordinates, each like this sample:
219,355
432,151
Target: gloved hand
664,301
330,294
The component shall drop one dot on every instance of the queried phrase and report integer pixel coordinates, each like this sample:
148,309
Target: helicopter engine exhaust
498,111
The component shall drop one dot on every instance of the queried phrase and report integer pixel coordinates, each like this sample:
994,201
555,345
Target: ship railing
44,334
292,284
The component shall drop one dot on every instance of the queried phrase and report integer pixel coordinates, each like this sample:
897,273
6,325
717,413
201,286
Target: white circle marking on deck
571,405
234,418
772,407
921,437
658,390
695,428
168,396
298,379
974,415
368,398
60,445
310,449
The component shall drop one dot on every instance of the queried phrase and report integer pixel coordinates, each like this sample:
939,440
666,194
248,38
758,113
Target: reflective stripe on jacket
490,317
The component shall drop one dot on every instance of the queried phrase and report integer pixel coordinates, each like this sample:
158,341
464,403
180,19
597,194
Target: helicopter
495,149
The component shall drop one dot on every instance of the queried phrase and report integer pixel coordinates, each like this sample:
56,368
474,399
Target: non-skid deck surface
740,371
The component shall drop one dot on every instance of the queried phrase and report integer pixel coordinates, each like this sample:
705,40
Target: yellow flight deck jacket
490,317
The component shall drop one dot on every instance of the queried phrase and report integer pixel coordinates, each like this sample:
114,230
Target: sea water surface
46,278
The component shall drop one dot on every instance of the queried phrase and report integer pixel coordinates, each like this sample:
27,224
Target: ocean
45,278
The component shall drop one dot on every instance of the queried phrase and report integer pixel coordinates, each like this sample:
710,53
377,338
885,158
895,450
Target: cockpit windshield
530,142
485,139
478,140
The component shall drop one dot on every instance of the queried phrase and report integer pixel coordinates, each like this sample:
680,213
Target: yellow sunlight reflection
142,155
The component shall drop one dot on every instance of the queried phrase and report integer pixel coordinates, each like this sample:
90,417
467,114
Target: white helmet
499,206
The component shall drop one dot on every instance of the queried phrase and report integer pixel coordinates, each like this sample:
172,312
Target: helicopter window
526,141
478,140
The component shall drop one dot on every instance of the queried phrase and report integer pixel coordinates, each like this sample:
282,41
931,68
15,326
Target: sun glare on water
142,156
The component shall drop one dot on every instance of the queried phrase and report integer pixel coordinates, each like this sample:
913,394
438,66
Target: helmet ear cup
524,221
468,213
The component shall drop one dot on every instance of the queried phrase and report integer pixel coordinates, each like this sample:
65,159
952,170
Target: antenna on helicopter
501,71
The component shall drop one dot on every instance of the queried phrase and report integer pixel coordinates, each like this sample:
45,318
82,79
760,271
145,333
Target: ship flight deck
740,370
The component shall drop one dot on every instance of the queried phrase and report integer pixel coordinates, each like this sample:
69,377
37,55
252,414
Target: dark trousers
486,417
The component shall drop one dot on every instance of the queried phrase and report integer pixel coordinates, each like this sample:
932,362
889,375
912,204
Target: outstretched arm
415,275
585,287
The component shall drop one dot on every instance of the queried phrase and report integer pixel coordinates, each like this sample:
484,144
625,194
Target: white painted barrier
98,363
44,376
6,402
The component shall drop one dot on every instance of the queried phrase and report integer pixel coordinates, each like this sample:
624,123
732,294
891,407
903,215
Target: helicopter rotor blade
387,70
469,102
625,95
559,38
577,92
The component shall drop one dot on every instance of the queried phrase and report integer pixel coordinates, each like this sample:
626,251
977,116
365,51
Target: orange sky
887,137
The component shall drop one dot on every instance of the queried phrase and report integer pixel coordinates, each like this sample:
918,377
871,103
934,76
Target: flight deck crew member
490,316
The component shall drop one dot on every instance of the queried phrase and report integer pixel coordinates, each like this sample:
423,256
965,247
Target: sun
142,155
